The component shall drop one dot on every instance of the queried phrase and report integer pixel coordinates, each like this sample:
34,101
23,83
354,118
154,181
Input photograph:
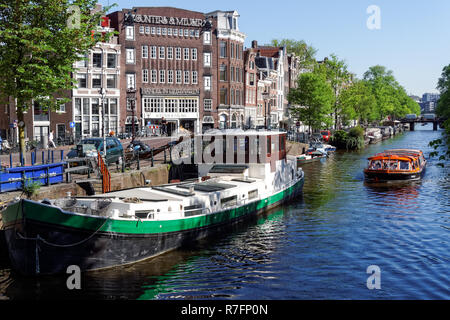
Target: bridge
436,122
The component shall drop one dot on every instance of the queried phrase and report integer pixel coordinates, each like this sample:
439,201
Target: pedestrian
163,126
51,143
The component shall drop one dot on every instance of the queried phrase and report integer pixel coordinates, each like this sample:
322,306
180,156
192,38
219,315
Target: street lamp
131,96
266,97
103,94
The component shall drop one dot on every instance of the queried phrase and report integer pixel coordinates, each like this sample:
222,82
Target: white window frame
207,83
145,52
207,59
162,76
131,80
194,54
178,53
186,54
178,77
162,52
170,76
186,78
153,52
129,33
170,53
154,76
145,75
207,104
130,56
207,37
194,77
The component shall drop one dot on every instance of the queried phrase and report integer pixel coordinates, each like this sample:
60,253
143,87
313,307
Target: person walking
51,143
163,126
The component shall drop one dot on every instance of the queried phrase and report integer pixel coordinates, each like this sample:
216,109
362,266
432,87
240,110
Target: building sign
170,91
173,21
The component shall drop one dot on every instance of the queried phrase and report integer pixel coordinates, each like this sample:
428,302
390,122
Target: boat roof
144,194
398,154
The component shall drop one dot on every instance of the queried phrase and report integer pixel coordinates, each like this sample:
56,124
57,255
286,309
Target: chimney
254,44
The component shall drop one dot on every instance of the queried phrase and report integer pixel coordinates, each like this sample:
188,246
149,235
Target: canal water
317,247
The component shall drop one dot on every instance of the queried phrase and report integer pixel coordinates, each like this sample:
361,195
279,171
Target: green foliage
38,50
353,140
390,97
313,99
356,132
358,103
300,48
31,188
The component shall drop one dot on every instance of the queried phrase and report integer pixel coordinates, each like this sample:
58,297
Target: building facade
228,76
167,62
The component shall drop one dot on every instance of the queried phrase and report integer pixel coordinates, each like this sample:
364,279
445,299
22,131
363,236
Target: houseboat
249,174
396,165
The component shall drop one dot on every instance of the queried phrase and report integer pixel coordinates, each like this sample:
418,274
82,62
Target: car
90,147
326,135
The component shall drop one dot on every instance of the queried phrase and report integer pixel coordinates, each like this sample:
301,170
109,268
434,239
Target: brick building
167,61
228,69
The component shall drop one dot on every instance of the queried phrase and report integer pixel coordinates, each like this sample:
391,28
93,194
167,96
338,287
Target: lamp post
103,94
131,96
266,97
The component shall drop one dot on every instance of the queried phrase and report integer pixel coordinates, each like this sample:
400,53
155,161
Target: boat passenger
404,165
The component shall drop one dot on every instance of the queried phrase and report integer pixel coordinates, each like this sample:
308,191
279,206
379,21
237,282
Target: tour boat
396,165
126,226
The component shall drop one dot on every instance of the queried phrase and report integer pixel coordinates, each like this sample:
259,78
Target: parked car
326,135
88,146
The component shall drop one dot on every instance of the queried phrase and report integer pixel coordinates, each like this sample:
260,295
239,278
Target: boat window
193,210
404,165
252,194
393,165
375,165
145,214
228,202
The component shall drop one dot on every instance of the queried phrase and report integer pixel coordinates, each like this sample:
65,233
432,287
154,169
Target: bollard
53,159
152,157
48,156
138,163
10,160
22,161
62,155
165,156
43,157
33,158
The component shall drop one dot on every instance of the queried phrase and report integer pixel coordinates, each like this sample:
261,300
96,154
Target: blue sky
413,42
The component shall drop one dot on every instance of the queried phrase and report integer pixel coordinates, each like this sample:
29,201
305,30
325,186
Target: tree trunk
21,126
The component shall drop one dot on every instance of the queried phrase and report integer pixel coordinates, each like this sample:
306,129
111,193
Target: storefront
177,110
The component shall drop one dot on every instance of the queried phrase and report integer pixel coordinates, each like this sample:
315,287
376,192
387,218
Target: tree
443,111
39,42
358,103
391,98
300,48
313,97
337,74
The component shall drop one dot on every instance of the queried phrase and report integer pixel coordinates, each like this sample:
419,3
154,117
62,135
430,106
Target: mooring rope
64,245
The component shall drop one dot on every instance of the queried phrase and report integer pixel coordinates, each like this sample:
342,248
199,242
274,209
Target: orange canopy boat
396,165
